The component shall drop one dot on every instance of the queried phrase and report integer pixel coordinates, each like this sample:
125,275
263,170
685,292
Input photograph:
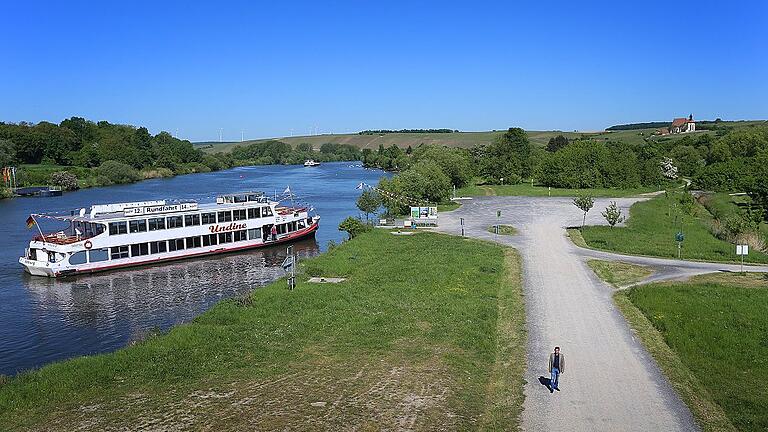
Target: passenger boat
311,163
111,236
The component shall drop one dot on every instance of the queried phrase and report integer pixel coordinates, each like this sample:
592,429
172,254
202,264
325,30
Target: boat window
78,258
210,240
137,226
208,218
241,198
193,242
254,233
98,255
118,252
156,224
241,235
99,228
254,213
158,247
254,197
225,237
175,244
139,249
266,211
301,224
238,215
116,228
192,220
225,216
175,222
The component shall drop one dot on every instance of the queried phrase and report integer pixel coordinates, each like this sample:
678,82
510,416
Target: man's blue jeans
555,375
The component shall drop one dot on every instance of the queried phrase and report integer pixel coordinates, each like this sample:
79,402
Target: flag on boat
30,222
287,190
360,186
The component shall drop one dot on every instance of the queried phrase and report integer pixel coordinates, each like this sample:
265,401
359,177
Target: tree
507,158
368,202
612,214
353,227
585,203
556,143
7,153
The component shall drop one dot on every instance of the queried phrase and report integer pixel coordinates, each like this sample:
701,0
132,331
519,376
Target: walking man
556,367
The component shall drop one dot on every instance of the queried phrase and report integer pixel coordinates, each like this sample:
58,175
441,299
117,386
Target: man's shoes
551,390
557,388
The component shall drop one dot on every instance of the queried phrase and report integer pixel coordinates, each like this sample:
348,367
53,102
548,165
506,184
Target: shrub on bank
114,172
66,180
5,193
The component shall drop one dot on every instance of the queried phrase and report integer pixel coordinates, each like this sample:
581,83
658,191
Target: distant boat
38,191
311,163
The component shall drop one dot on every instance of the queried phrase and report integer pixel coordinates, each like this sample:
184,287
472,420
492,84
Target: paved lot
611,382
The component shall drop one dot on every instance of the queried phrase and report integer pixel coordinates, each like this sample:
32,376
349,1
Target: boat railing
62,238
282,211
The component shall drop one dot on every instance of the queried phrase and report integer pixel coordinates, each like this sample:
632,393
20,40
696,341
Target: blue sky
276,68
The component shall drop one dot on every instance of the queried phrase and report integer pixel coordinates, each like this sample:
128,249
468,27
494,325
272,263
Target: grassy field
651,228
709,337
619,274
455,139
503,229
427,332
525,189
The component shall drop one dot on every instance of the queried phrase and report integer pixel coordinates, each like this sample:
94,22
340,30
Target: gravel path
611,382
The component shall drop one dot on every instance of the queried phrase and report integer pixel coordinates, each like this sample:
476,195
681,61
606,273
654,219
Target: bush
115,172
353,227
66,180
5,193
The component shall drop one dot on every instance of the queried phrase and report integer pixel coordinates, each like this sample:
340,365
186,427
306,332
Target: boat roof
106,212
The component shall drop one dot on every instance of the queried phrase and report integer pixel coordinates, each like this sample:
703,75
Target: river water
44,320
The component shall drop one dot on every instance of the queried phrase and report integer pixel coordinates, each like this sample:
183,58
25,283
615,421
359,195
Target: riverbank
411,339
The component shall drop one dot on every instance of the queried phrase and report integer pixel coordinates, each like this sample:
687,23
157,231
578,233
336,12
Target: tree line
736,161
80,153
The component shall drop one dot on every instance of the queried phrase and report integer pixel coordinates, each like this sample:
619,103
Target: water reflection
114,308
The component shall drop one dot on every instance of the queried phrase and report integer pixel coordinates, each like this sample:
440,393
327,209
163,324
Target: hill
469,139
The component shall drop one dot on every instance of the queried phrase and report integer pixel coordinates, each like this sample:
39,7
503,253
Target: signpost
462,227
742,250
679,237
496,227
289,264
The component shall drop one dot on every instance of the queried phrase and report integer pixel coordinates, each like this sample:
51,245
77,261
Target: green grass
503,229
709,337
427,324
525,189
453,205
619,274
651,228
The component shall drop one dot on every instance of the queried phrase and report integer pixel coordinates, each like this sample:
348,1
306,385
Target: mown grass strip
503,230
619,274
505,388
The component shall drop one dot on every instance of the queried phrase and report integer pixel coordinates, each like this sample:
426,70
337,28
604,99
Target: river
45,320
